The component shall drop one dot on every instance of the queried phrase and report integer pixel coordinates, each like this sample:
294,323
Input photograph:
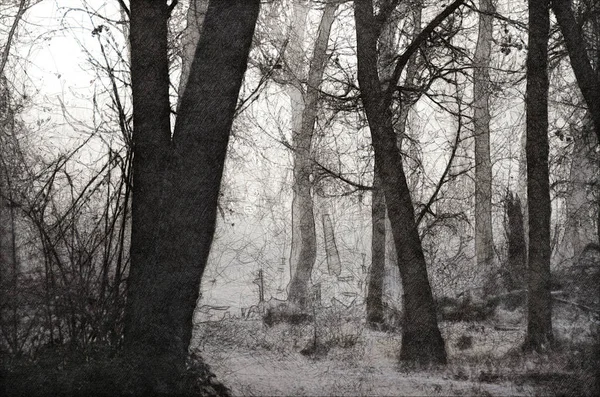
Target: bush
99,371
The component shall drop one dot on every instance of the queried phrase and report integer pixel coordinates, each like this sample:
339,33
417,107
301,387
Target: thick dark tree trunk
377,270
587,79
177,181
421,339
539,325
152,135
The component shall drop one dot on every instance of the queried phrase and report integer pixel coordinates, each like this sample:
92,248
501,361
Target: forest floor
336,355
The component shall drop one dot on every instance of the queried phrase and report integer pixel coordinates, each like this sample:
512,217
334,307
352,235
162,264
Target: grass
334,355
484,358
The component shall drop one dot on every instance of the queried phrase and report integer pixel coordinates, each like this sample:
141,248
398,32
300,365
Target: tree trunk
389,283
304,243
587,79
580,201
484,242
190,38
522,187
517,254
9,264
151,136
421,339
539,325
177,181
378,242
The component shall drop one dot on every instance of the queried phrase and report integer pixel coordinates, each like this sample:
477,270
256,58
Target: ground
337,355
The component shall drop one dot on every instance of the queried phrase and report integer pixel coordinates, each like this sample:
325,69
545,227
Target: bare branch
125,8
11,34
427,207
414,46
173,5
339,176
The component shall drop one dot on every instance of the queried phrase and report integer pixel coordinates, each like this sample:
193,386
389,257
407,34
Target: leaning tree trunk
177,181
539,324
580,228
384,278
587,79
421,338
484,242
304,243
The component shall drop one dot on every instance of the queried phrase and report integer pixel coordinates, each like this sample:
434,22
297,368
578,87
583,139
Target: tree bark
190,38
539,324
421,339
304,243
484,241
378,242
9,263
177,181
517,254
303,248
11,35
384,280
580,228
151,136
587,79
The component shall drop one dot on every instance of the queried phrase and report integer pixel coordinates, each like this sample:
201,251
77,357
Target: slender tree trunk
304,243
484,242
177,181
522,187
421,339
539,325
9,265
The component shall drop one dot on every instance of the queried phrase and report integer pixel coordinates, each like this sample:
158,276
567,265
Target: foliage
96,371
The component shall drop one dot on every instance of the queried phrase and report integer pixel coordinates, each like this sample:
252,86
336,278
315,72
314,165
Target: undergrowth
97,371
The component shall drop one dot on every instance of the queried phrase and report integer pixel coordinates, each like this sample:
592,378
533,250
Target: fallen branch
579,305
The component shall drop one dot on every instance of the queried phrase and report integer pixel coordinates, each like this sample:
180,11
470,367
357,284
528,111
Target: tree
539,305
190,38
579,35
11,34
421,339
587,79
383,252
177,178
304,108
374,300
517,254
484,242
